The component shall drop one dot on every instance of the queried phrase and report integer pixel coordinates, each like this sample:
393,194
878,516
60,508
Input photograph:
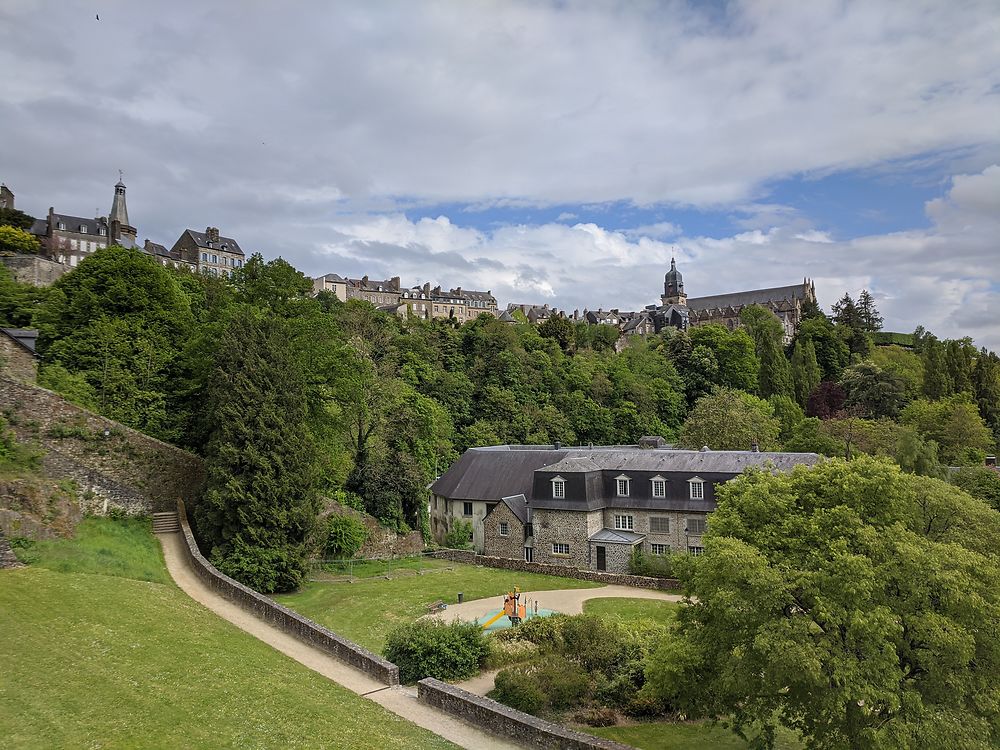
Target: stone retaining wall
505,722
33,269
608,579
290,622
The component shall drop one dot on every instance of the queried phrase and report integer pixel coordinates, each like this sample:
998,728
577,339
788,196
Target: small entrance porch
611,549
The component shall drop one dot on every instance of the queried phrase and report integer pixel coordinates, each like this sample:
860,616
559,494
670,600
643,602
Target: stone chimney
212,234
394,282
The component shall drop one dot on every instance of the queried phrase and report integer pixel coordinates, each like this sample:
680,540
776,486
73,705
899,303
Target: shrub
459,536
564,683
544,632
264,569
596,717
593,641
433,648
344,536
655,566
505,653
518,688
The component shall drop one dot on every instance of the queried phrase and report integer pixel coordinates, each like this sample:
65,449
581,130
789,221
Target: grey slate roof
226,244
518,505
492,473
26,337
708,462
73,224
613,536
752,297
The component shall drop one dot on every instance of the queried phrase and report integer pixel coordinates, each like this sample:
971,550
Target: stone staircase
166,523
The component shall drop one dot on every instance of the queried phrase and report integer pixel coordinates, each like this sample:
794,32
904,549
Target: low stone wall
505,722
608,579
290,622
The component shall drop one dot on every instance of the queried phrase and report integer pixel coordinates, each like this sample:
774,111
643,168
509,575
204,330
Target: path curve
402,701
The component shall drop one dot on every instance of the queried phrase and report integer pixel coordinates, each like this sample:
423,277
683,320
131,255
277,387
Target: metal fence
422,563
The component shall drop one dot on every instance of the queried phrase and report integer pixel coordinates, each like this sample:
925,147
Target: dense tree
905,365
789,415
734,353
806,373
959,357
765,329
846,602
731,420
18,302
560,330
826,400
832,353
955,425
868,314
14,240
852,326
261,501
986,384
12,217
937,379
872,391
981,482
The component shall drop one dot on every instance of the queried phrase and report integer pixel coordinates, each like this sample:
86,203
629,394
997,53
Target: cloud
659,230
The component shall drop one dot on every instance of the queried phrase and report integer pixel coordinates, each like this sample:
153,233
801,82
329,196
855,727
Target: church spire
121,231
673,286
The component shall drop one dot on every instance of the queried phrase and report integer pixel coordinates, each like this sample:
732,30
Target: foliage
656,566
12,217
844,601
832,353
806,373
789,415
905,365
71,385
14,240
15,455
872,392
826,400
459,536
344,536
18,301
890,338
955,425
937,379
767,332
433,648
261,499
730,420
733,351
980,482
551,683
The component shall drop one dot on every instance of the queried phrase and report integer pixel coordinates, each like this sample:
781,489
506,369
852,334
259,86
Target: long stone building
589,507
424,302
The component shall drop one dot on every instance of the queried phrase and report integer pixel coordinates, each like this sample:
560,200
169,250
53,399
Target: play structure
514,611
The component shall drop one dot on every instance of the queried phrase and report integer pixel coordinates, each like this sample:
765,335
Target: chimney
427,288
212,234
394,282
458,291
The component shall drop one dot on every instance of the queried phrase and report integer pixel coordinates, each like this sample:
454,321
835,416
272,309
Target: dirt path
400,700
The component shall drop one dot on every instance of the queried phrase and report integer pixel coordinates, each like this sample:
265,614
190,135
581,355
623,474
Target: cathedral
676,310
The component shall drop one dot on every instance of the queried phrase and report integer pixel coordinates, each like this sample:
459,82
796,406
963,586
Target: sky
551,152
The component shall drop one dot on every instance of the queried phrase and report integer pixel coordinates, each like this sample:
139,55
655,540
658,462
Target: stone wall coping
506,722
564,571
289,621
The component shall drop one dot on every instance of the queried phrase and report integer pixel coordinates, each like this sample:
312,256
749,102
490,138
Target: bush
459,536
655,566
549,683
544,632
344,536
433,648
518,688
505,653
264,569
564,683
596,717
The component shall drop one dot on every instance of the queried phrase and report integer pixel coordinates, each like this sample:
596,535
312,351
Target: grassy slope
632,609
365,611
89,660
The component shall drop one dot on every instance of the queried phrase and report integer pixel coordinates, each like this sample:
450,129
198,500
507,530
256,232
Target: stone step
165,523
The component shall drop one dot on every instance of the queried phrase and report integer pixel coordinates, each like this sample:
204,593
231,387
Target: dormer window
102,231
659,486
558,488
697,485
622,483
83,229
61,225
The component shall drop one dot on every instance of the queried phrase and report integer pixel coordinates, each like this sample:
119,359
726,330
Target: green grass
109,661
686,736
365,611
124,548
632,609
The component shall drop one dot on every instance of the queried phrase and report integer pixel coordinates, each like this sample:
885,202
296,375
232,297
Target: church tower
122,233
673,287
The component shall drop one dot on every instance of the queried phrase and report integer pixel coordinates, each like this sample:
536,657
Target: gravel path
400,700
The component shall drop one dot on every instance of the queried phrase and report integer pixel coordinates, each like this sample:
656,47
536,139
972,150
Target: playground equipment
512,608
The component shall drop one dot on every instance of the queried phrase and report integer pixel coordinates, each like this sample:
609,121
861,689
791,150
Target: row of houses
591,507
424,302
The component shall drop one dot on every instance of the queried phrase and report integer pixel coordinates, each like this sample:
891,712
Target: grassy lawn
112,661
688,736
365,611
632,609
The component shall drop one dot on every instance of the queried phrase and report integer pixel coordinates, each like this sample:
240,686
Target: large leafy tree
261,501
12,217
16,240
847,602
733,351
937,378
775,378
872,391
731,420
955,425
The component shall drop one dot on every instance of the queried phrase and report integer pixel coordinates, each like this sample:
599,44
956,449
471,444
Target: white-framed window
659,524
102,231
204,257
697,485
659,485
467,509
215,258
624,523
83,229
696,551
696,525
621,484
558,488
61,225
560,548
504,528
659,549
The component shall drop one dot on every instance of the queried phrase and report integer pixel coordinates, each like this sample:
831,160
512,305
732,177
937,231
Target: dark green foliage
872,392
519,688
432,648
868,314
887,338
937,379
552,683
261,500
733,351
981,482
14,454
767,332
344,536
18,302
806,373
459,535
12,217
560,329
986,384
832,353
657,566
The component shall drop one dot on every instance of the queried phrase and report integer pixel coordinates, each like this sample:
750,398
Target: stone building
724,309
208,252
69,239
458,304
6,197
379,293
589,507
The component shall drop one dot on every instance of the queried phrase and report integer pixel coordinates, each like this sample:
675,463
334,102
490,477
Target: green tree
845,601
14,240
955,425
806,373
733,352
981,482
986,383
260,502
788,413
937,379
765,329
905,365
868,314
18,302
11,217
832,353
958,358
873,392
730,420
560,330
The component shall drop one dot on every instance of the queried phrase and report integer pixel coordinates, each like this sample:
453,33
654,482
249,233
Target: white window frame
504,528
558,488
659,518
660,483
558,548
624,522
696,488
696,550
659,549
622,481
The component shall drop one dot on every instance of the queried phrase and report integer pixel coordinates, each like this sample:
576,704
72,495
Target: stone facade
616,556
208,252
497,544
34,269
445,511
16,361
677,538
568,527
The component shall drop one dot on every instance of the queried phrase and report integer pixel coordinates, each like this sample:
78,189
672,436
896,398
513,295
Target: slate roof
518,505
613,536
495,472
226,244
752,297
708,462
25,337
73,224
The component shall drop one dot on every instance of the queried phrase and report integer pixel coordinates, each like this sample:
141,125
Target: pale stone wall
495,545
675,539
16,361
617,556
444,512
568,527
34,269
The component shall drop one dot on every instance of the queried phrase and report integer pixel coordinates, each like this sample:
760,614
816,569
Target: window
696,526
466,509
204,257
83,229
61,225
624,523
696,551
529,554
697,488
529,530
215,258
504,528
102,231
622,485
659,549
659,525
659,487
560,548
558,488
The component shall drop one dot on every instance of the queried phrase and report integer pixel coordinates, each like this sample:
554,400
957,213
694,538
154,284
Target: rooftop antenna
121,177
